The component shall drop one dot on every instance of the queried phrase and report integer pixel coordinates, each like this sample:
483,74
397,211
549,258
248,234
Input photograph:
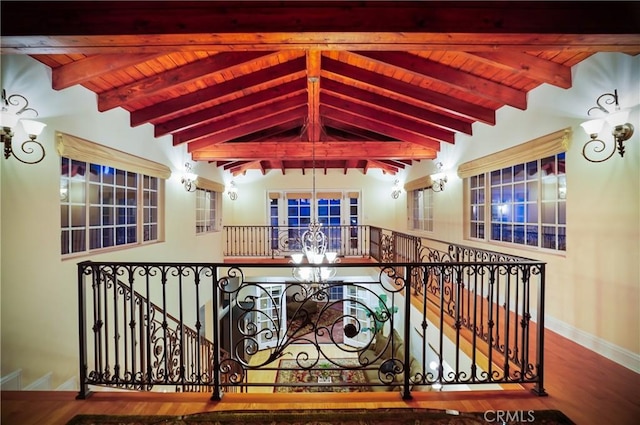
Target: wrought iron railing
280,241
485,295
142,338
360,331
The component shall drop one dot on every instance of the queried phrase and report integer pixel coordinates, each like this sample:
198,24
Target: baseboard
68,385
11,381
41,384
613,352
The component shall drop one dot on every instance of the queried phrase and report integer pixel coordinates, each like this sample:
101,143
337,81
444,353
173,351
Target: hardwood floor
587,387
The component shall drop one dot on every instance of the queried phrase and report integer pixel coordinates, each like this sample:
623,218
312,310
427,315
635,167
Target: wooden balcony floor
587,387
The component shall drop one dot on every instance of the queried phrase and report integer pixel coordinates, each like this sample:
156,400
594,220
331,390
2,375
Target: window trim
78,149
488,220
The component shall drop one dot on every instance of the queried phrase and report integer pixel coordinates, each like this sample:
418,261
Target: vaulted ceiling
290,85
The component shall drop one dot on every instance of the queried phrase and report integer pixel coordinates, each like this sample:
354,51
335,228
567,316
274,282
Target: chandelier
314,243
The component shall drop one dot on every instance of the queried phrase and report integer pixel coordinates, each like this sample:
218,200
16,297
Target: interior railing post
539,386
82,332
406,390
217,391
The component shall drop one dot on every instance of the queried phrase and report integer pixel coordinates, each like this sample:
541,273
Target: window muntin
421,209
99,207
527,204
206,210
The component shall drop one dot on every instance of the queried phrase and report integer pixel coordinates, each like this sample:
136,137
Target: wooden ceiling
338,85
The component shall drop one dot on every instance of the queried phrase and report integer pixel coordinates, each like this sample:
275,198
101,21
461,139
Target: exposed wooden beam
380,127
175,77
434,99
457,80
235,106
95,66
392,120
385,166
240,122
115,26
167,108
395,106
232,133
528,66
313,89
325,150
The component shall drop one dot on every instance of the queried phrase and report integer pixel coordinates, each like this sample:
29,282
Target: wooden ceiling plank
303,151
235,106
429,97
95,66
458,80
397,121
379,127
179,76
239,121
396,106
164,109
529,66
356,132
232,133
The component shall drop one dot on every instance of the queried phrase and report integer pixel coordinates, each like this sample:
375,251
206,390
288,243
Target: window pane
94,216
78,216
549,237
64,215
78,240
548,211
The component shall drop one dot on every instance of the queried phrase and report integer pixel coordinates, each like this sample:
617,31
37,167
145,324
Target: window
333,209
421,209
207,202
99,207
527,204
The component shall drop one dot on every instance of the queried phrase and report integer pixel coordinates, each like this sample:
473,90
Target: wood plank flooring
587,387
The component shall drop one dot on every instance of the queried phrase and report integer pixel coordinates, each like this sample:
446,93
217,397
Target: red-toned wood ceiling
283,85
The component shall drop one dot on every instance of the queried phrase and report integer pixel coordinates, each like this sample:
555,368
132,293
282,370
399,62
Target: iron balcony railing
449,316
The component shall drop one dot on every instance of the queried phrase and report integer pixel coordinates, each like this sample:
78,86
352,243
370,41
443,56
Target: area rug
328,417
325,322
308,379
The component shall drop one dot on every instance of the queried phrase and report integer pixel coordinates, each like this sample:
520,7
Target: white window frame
207,211
420,209
521,205
80,196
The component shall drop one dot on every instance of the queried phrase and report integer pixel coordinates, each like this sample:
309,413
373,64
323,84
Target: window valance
298,195
352,195
83,150
329,195
421,183
202,183
542,147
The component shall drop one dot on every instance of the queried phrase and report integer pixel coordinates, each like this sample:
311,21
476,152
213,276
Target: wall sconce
232,191
12,107
618,120
396,190
438,179
189,178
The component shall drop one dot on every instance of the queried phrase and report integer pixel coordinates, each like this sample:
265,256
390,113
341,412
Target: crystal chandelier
314,246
